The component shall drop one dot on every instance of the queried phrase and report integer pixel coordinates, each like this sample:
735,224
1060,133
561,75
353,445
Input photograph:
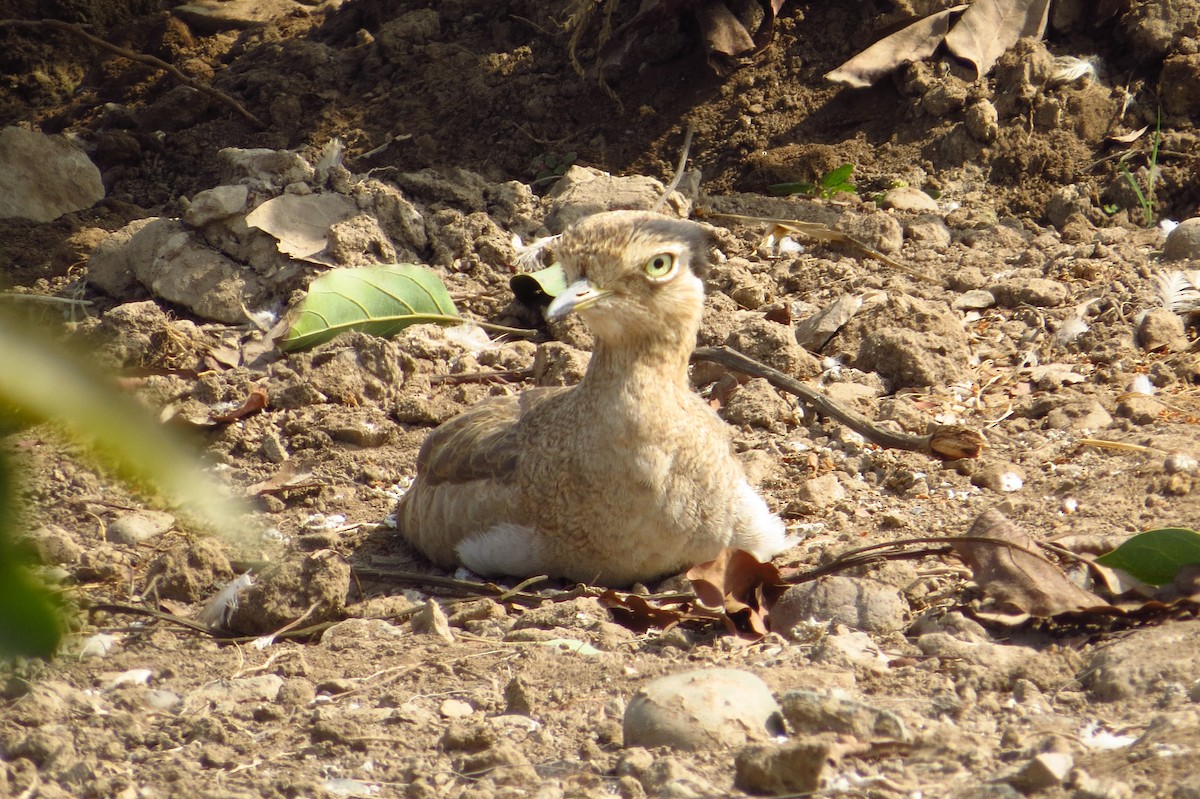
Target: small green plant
832,183
1145,197
551,165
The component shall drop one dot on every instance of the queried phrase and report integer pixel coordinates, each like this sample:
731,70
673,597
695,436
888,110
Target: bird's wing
480,444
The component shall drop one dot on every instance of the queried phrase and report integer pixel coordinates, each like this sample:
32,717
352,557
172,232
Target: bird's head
633,276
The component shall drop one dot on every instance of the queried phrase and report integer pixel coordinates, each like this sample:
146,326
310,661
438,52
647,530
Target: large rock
703,709
43,177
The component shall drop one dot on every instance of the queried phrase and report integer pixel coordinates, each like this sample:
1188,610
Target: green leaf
533,288
382,300
1156,556
784,189
836,178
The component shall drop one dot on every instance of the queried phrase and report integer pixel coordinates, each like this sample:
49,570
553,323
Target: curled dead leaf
744,587
1019,580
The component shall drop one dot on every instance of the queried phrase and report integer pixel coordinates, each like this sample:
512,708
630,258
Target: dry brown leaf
746,588
990,27
1130,137
912,43
1019,580
291,475
256,402
634,612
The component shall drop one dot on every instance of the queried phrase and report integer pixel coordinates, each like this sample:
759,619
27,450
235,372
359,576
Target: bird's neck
637,374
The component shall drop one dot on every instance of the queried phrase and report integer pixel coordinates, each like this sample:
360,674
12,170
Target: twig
820,232
140,58
679,170
502,375
946,442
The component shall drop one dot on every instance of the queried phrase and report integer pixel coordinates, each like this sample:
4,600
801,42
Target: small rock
216,203
982,121
791,768
504,763
879,230
909,198
1001,477
703,709
432,620
814,712
190,570
974,300
44,177
54,545
276,168
263,688
775,345
928,230
518,699
857,602
1184,241
1047,770
1161,330
1140,409
1036,291
583,191
455,709
360,634
1180,463
134,528
1086,414
758,404
822,491
314,587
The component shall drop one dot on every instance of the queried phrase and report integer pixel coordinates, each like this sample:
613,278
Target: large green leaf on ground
1156,556
382,300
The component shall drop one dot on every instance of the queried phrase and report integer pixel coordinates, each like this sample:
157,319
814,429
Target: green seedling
1145,197
551,166
831,184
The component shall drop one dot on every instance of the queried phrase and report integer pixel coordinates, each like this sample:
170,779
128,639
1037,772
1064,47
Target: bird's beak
575,297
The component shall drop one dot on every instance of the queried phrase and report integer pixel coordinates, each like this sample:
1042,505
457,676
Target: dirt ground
1019,311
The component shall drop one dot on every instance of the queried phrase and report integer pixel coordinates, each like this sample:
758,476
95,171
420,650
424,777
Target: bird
625,477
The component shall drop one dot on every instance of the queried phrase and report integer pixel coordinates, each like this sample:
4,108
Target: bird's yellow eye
659,266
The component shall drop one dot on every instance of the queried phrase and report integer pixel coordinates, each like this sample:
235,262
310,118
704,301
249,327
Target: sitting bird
625,477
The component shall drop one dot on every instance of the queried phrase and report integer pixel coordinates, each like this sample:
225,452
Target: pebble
1160,329
1184,241
1001,477
455,709
1140,409
702,709
850,649
216,203
879,230
854,601
134,528
974,300
822,491
1036,291
814,712
909,198
791,768
1043,772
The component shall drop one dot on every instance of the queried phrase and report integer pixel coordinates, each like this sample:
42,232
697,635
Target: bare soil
479,93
